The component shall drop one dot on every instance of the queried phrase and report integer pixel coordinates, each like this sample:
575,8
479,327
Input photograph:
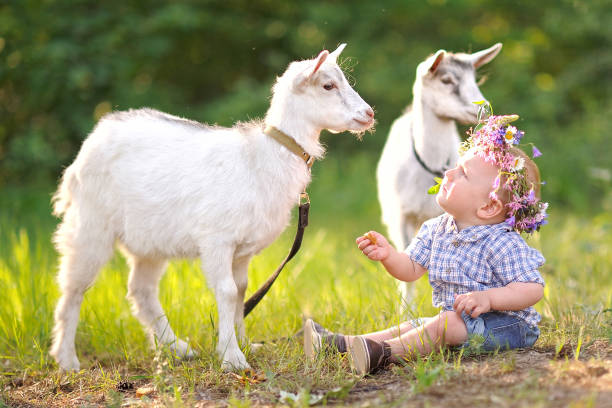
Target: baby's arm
398,264
513,296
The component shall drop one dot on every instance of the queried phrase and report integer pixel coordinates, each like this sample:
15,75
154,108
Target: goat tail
63,196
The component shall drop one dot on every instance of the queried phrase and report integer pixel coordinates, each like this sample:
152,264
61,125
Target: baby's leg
316,335
368,353
391,332
448,328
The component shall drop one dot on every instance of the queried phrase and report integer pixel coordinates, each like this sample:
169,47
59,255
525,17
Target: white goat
167,187
424,141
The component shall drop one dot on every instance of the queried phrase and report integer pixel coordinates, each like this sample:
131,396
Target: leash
303,209
297,242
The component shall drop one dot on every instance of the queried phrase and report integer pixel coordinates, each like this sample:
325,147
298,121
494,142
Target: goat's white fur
443,93
165,187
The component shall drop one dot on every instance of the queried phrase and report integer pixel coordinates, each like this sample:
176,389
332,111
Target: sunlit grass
328,280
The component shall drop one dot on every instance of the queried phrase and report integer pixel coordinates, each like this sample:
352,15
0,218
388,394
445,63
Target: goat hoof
237,363
229,367
182,350
69,364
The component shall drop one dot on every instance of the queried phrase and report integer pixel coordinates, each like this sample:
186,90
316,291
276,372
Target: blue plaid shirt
474,259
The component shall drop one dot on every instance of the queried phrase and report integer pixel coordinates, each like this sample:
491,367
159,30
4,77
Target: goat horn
334,55
482,57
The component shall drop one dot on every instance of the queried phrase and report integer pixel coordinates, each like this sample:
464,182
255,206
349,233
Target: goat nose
369,112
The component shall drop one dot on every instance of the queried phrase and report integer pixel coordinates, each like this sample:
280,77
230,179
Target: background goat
424,141
167,187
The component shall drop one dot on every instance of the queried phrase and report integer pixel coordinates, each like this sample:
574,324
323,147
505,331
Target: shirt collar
475,232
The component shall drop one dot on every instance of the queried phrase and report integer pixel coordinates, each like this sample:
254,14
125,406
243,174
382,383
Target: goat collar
290,144
438,173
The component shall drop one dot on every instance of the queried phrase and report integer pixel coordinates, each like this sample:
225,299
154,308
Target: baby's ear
491,209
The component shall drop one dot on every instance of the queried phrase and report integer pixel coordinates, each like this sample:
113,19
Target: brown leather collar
290,144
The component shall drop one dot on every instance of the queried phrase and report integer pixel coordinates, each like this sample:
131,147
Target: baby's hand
472,303
374,246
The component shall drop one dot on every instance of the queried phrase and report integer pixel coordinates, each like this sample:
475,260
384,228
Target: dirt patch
528,378
515,379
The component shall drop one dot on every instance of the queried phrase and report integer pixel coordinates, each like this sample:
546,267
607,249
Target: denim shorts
494,331
499,331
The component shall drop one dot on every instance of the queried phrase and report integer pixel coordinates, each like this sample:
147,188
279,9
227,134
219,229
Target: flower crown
492,140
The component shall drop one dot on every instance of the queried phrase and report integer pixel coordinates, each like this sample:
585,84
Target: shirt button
456,244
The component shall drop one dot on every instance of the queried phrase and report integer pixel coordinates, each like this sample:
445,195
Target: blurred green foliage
64,63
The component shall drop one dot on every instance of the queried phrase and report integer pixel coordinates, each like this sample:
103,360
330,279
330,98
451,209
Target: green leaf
436,187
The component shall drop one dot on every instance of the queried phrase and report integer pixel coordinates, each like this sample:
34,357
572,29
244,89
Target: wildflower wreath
493,139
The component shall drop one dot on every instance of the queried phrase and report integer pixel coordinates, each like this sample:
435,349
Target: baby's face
466,187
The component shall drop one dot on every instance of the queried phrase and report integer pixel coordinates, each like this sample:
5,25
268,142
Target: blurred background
63,64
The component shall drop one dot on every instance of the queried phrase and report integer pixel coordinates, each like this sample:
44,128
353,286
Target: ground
524,378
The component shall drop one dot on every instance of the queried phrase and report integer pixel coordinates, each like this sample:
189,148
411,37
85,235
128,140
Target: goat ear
482,57
319,61
334,55
437,59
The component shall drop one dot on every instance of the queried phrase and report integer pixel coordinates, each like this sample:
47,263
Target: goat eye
447,80
329,87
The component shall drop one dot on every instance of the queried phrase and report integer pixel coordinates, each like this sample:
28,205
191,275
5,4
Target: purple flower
511,221
531,197
498,137
519,135
496,183
536,152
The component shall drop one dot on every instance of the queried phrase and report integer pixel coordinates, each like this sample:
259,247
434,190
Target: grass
328,280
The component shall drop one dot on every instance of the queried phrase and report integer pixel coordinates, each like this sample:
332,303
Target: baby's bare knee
452,328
